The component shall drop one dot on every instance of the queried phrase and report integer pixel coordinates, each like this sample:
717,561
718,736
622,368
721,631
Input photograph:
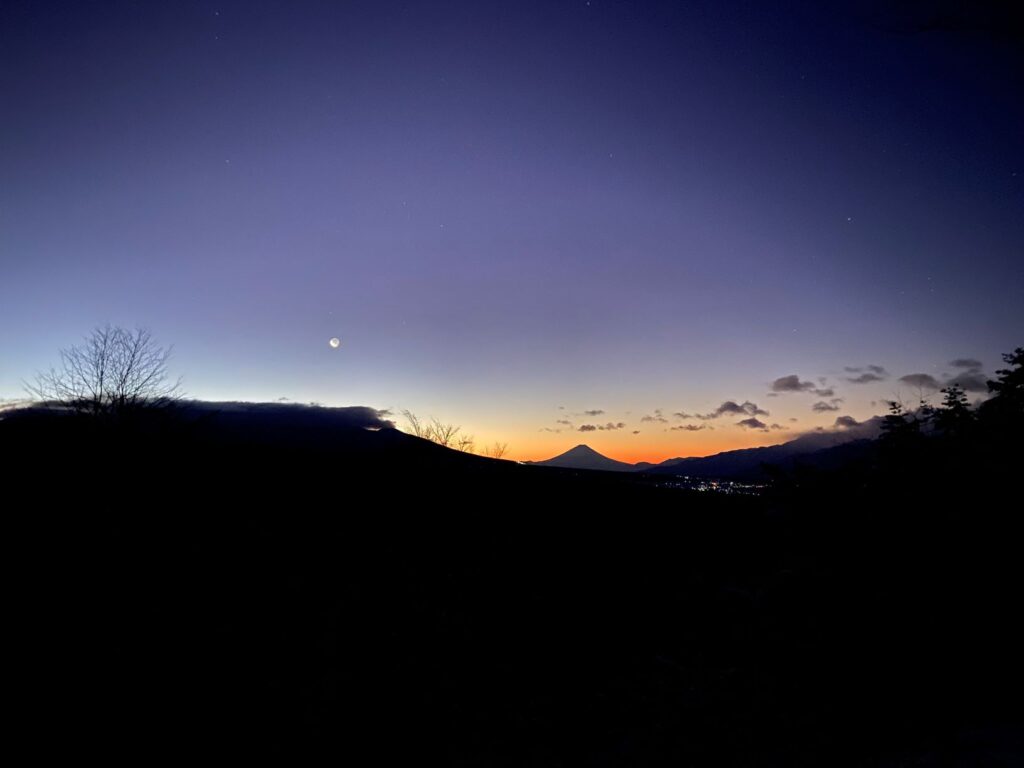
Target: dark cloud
609,427
595,412
966,362
732,408
691,427
868,374
657,417
776,426
636,431
822,407
970,381
866,378
564,422
922,380
752,424
683,415
10,404
825,392
727,407
299,413
791,383
846,422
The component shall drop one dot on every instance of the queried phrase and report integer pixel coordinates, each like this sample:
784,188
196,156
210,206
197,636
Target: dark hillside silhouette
274,577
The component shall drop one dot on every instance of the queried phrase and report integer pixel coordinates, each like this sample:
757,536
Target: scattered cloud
595,412
868,374
549,429
846,422
657,417
776,426
793,418
732,408
691,427
825,392
791,383
965,362
922,380
609,427
564,422
684,415
636,431
876,369
821,407
866,378
752,423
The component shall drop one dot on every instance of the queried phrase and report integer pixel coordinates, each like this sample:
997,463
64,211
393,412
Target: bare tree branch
449,435
113,371
497,450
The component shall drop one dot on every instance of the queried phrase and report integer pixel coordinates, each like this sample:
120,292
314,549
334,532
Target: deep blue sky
503,208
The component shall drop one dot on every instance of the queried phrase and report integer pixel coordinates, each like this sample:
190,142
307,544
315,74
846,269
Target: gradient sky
514,213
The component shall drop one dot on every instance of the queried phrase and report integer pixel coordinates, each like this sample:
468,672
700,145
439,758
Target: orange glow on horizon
631,454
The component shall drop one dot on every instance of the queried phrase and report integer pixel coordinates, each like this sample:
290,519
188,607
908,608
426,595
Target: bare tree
445,434
113,371
497,450
448,435
417,427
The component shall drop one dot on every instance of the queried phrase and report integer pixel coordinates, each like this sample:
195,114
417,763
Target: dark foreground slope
253,583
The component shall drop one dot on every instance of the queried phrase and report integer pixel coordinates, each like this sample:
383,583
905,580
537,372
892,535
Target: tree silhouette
114,371
449,435
954,415
1008,389
899,426
496,450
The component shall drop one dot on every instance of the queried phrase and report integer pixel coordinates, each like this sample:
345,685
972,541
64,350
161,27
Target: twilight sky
515,213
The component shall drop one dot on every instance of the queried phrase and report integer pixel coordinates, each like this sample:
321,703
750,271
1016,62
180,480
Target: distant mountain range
823,450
